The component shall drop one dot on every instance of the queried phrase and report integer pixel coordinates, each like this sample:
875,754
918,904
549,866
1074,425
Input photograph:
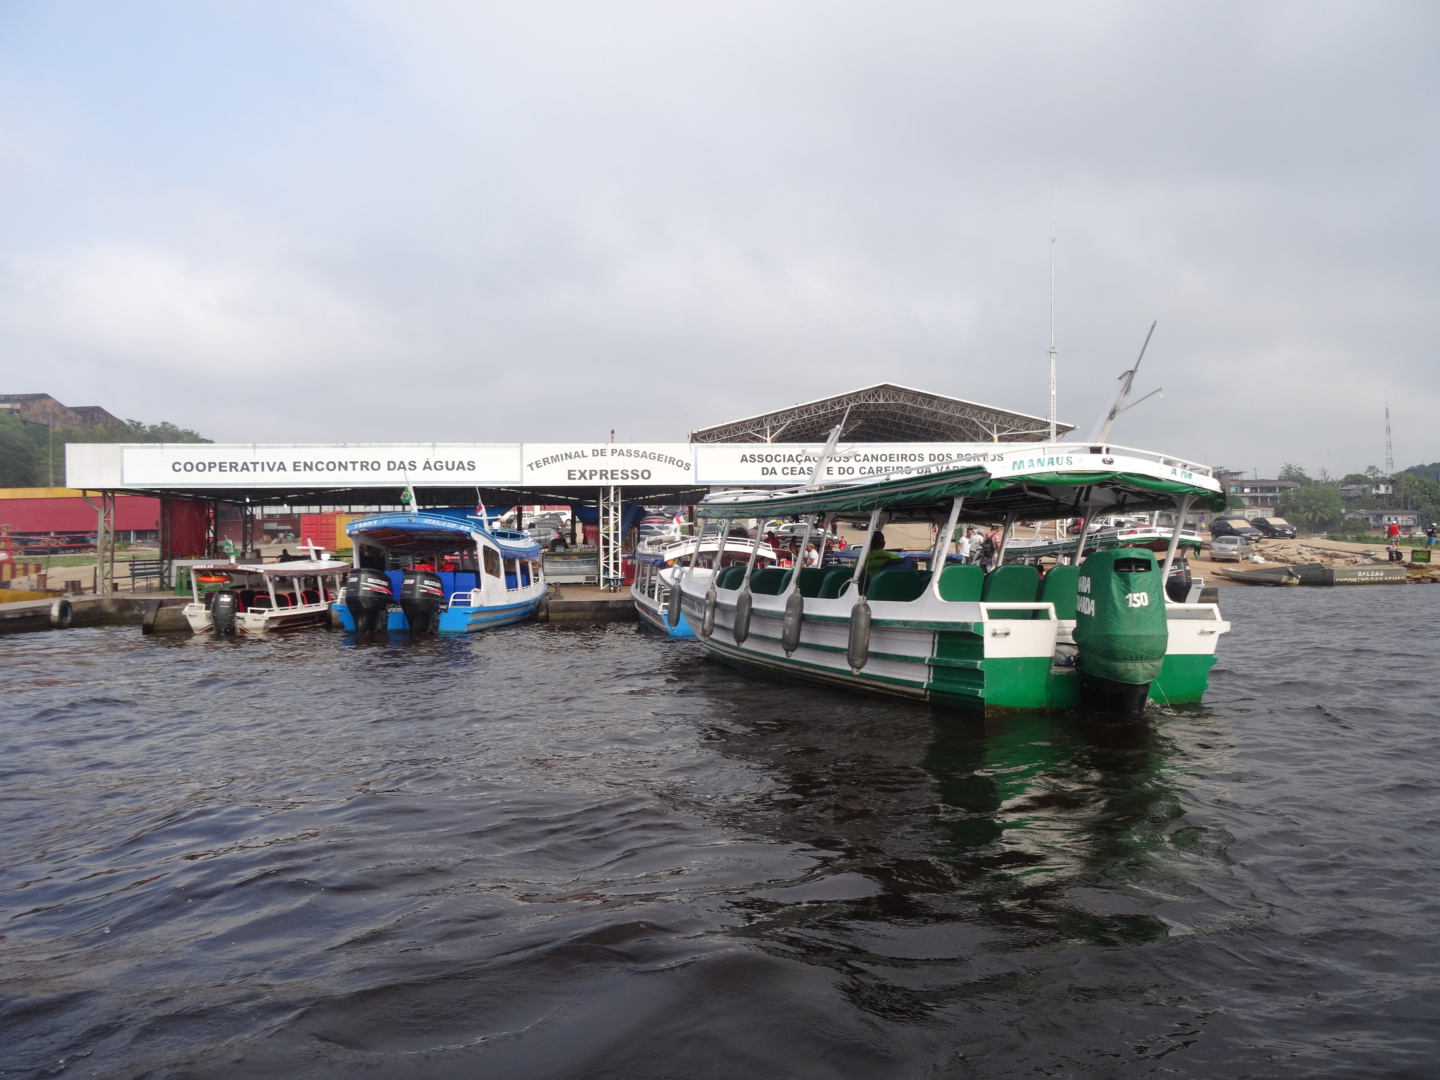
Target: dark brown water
548,853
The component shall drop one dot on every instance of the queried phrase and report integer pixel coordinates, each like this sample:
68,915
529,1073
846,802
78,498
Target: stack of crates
327,530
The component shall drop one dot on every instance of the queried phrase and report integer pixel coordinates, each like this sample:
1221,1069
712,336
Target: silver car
1230,547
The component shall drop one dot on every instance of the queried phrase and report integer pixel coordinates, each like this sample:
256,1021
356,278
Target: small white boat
660,559
1154,537
245,598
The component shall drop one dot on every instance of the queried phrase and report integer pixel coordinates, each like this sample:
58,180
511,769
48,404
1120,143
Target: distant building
1366,490
1260,497
1408,520
44,409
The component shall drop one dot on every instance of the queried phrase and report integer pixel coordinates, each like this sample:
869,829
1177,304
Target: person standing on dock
1394,531
966,543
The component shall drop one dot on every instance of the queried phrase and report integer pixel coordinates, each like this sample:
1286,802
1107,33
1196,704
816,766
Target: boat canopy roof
437,530
298,568
917,495
1051,482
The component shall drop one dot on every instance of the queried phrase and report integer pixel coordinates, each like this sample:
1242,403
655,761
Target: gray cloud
544,221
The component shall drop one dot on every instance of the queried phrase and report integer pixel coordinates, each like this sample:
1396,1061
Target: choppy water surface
555,852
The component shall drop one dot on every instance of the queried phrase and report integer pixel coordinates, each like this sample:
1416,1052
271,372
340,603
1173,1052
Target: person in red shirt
1394,531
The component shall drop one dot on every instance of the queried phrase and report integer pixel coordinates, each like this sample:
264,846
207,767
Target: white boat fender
61,612
857,652
707,624
672,612
744,604
790,628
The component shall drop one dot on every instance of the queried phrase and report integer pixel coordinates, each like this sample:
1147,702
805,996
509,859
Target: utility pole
1389,450
1052,339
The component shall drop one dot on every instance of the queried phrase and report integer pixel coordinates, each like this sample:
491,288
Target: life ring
212,578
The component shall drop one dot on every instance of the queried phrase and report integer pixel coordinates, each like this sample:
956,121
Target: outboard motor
368,598
224,607
422,595
1120,629
1177,587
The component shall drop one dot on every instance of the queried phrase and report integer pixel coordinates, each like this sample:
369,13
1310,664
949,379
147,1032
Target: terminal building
209,492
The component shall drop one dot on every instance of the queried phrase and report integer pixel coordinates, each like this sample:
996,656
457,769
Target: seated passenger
876,557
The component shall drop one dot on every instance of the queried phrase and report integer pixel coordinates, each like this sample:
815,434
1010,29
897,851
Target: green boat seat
768,582
729,577
836,577
901,585
1011,585
962,584
1059,588
811,579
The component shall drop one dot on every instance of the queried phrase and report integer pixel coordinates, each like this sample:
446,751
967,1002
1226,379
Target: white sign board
762,464
606,464
360,465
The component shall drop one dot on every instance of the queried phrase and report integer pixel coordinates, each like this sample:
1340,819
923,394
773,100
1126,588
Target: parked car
1234,526
1276,528
1234,547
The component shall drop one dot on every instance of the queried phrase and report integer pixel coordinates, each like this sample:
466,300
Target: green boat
1101,633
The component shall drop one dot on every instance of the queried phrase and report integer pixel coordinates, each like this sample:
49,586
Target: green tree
1418,493
1294,473
17,454
1313,506
30,454
1355,478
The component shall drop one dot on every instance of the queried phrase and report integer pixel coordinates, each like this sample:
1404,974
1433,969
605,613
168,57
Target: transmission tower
1389,449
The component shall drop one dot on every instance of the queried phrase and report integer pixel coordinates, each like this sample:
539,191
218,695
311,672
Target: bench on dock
147,570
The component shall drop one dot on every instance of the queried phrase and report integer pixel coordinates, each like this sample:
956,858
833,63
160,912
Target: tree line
33,455
1316,504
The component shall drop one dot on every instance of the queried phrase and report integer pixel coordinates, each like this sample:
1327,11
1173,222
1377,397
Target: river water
560,852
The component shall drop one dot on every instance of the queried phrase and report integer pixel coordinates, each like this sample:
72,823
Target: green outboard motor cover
1120,623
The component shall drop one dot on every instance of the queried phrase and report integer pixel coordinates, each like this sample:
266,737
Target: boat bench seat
729,577
1012,585
901,585
768,582
834,583
460,581
1061,588
962,584
811,579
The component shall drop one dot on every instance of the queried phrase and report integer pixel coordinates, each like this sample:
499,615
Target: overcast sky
540,221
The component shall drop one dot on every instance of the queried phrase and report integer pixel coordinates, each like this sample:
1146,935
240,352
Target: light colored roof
885,412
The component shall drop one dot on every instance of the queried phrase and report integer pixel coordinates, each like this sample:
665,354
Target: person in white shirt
965,542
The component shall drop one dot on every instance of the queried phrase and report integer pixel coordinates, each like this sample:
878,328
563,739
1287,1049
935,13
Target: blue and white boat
445,570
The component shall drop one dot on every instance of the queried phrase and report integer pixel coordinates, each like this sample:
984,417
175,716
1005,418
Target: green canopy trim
1160,486
912,492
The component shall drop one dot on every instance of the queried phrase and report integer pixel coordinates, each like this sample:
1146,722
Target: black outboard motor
422,595
368,597
224,607
1177,586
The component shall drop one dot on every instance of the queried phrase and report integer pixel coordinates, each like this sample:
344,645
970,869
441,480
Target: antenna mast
1389,450
1052,339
